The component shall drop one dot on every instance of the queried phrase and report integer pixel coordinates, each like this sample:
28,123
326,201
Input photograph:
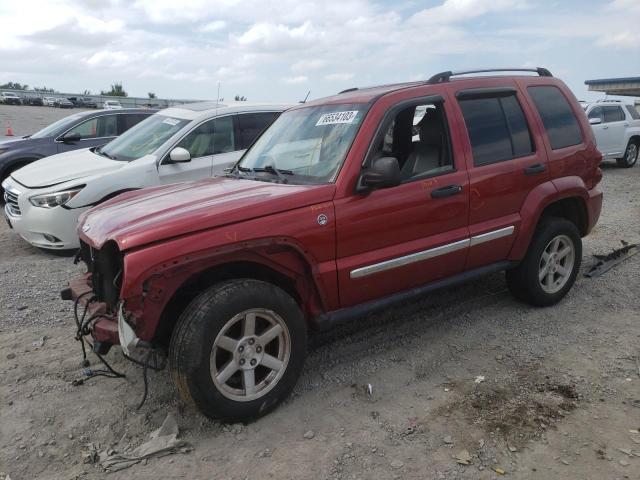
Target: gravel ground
26,119
560,396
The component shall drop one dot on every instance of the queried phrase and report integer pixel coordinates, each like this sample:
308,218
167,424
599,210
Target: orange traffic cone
9,130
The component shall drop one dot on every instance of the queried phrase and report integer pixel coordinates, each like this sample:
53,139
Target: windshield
307,144
58,127
143,138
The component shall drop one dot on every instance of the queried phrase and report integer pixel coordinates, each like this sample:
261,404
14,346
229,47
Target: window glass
98,127
253,124
557,116
497,129
210,138
131,119
417,137
596,113
613,114
633,112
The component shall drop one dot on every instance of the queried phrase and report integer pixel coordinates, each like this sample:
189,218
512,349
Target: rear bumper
594,207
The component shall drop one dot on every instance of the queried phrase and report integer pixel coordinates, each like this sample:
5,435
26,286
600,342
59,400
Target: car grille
11,199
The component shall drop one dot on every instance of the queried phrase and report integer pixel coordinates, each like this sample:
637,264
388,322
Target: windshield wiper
99,151
275,171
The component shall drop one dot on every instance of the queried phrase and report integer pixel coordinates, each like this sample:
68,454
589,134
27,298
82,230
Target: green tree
238,98
151,95
15,86
116,91
43,89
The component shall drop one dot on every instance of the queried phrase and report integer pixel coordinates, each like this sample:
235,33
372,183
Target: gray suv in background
80,130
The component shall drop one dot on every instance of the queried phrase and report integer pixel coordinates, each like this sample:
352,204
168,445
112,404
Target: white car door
601,131
614,120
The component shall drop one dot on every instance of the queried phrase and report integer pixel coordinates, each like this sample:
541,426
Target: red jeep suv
344,205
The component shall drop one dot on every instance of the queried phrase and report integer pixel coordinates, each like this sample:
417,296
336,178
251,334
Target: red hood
152,214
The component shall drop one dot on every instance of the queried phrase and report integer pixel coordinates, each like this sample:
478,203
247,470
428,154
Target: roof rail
445,76
352,89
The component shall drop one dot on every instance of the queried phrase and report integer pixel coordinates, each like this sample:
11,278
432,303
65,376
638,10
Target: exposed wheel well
205,279
635,138
573,209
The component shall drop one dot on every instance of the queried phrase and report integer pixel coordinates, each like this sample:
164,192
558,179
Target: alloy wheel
556,264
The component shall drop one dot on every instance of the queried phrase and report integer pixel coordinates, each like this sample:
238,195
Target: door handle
604,127
535,169
446,191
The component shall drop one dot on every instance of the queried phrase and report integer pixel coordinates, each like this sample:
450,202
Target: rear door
601,131
504,166
614,121
93,132
393,239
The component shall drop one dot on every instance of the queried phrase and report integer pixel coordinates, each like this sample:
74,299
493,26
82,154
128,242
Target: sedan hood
153,214
64,167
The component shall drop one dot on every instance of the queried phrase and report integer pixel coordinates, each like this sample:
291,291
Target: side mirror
179,155
595,121
383,173
71,138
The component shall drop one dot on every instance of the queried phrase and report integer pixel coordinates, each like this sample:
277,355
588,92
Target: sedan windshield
142,139
307,145
58,127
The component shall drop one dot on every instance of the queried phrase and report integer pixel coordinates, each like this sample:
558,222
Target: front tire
238,350
630,154
551,264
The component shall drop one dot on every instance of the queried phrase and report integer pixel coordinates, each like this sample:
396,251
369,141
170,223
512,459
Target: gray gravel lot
560,397
26,119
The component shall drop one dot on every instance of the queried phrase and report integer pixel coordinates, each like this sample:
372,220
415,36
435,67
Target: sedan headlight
50,200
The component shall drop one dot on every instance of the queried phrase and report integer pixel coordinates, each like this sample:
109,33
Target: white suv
616,126
45,199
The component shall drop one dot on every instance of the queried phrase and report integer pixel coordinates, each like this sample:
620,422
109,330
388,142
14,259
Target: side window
250,125
497,128
596,113
214,136
633,112
418,137
557,116
97,127
128,120
613,114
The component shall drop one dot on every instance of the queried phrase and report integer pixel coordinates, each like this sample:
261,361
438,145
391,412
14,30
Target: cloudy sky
278,50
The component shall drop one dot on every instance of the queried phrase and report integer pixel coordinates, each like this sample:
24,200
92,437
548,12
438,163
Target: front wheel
238,349
551,264
630,154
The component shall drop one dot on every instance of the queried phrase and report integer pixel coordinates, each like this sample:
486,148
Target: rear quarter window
633,112
557,116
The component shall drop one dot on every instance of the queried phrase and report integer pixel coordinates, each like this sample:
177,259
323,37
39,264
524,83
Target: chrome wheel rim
250,354
556,264
632,153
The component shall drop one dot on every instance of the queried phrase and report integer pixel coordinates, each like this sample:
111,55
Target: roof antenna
218,98
305,98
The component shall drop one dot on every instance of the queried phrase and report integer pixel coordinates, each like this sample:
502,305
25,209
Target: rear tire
630,154
551,264
238,350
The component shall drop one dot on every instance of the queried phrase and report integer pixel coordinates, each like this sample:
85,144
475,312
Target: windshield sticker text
171,121
337,117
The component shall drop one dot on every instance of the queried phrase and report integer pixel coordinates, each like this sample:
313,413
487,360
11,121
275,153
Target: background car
112,105
83,102
10,98
617,129
63,103
81,130
49,101
33,100
194,141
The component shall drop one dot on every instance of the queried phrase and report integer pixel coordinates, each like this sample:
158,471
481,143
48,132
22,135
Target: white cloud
338,77
295,80
214,26
625,39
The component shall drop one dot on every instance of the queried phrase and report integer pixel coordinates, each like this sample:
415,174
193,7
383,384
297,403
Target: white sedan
45,199
112,105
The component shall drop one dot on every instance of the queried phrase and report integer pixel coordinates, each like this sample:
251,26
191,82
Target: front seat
425,155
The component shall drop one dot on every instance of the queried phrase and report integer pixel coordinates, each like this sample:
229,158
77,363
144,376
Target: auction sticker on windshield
171,121
337,117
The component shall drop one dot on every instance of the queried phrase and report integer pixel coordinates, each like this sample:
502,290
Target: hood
21,142
64,167
153,214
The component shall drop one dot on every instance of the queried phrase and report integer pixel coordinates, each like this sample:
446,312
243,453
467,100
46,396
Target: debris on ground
479,379
309,434
397,464
448,440
163,441
498,470
463,457
40,342
607,262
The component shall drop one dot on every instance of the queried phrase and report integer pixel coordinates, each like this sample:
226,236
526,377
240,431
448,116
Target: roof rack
352,89
445,76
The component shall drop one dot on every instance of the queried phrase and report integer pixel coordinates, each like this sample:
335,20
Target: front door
393,239
614,121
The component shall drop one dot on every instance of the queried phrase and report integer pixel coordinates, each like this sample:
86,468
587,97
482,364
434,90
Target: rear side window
613,114
557,116
251,125
498,130
633,112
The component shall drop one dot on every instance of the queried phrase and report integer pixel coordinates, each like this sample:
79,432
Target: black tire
629,159
523,281
203,321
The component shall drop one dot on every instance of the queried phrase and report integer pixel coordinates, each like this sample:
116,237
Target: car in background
49,101
194,141
81,130
616,126
33,100
83,102
63,103
111,105
10,98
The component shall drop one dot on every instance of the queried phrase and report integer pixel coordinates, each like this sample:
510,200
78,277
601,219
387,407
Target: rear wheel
630,154
551,264
238,349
